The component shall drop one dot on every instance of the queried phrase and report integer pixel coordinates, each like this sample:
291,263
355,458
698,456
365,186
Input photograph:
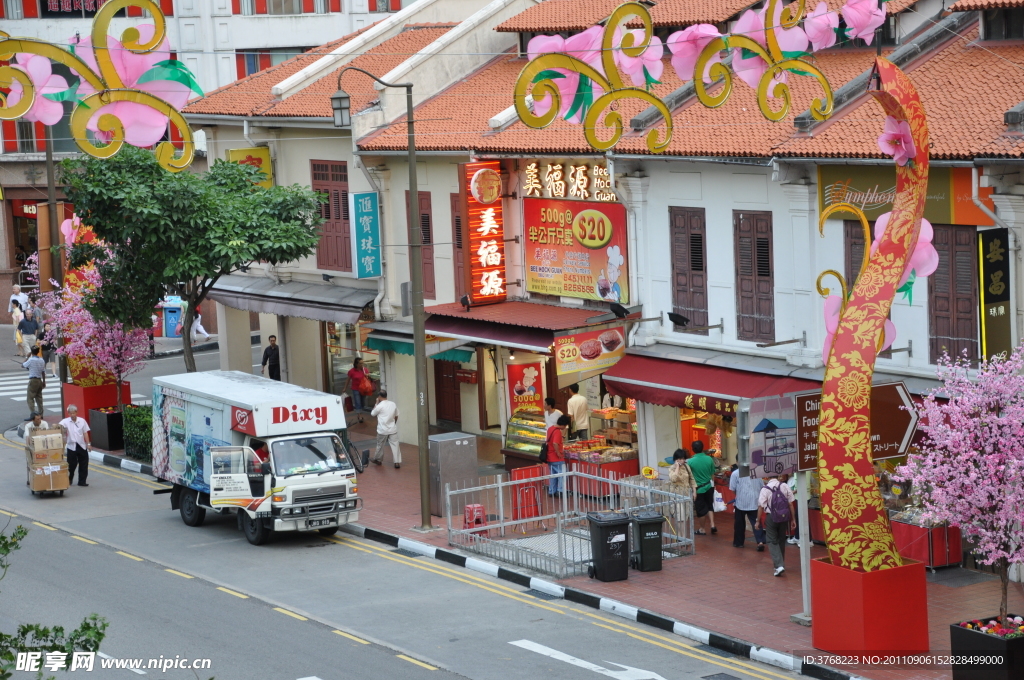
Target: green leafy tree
178,233
32,637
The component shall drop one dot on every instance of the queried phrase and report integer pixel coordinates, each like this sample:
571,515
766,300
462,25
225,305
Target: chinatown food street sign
576,249
484,232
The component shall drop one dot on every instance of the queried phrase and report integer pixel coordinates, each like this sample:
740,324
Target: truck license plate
320,522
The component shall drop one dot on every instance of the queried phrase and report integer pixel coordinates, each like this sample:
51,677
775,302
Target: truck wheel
329,531
255,531
191,513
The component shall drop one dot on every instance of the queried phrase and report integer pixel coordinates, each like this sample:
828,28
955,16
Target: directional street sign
893,423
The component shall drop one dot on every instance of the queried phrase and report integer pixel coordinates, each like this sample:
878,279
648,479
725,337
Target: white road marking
628,672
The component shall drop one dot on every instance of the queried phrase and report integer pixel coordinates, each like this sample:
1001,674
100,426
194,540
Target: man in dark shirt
272,359
29,327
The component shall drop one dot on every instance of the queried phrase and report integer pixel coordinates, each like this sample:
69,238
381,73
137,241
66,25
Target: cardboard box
44,457
45,440
625,417
52,477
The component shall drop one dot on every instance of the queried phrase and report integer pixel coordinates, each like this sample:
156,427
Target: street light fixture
341,104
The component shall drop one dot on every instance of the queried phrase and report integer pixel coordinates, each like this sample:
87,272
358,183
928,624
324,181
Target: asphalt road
286,610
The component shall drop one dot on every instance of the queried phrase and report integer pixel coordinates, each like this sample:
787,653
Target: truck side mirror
265,468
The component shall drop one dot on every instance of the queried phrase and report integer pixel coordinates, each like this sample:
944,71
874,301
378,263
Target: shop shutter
10,134
459,254
953,293
396,5
30,9
335,5
689,265
240,70
854,250
307,7
426,223
236,7
372,5
755,280
40,131
334,251
261,6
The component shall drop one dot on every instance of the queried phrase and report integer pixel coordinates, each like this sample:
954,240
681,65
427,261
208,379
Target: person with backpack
775,515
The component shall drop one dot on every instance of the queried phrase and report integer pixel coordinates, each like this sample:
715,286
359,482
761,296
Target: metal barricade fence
521,522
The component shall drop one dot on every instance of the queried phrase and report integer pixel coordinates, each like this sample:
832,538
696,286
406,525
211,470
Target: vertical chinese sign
525,389
259,158
994,267
366,252
481,192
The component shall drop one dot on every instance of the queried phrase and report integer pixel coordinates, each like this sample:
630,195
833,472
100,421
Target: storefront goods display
526,431
128,90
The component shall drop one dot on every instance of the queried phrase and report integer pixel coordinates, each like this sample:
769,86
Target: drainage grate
717,652
720,676
406,553
541,596
955,577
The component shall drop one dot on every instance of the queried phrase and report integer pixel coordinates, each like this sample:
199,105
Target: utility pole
56,259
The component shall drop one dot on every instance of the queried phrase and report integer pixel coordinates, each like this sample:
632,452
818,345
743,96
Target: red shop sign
485,234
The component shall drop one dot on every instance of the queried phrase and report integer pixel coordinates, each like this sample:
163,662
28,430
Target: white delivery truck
264,450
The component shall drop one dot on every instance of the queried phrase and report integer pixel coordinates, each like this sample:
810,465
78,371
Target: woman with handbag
17,314
359,381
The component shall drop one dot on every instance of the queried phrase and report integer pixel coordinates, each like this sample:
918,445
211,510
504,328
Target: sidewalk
723,589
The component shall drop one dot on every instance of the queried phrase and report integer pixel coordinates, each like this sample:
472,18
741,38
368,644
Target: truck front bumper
302,524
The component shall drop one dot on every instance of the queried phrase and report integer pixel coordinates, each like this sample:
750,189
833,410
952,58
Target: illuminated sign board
485,233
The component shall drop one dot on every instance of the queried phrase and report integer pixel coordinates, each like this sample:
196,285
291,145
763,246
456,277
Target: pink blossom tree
107,346
970,469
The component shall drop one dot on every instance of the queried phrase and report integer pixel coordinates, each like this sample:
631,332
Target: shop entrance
447,392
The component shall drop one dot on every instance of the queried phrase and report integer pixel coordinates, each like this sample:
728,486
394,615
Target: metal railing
521,522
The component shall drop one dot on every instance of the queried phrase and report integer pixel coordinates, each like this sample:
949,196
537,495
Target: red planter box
98,396
879,611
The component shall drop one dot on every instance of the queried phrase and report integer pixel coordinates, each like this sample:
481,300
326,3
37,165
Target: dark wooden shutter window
854,250
458,253
334,251
755,279
690,297
426,222
953,293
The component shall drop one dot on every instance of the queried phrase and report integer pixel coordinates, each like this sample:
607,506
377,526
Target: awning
442,349
316,301
490,333
695,386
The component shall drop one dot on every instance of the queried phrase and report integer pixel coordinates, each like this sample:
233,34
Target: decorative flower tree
129,89
969,470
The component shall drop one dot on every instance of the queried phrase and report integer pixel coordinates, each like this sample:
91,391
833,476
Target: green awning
390,345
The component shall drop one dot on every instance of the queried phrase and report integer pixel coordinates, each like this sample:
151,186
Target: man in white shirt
37,424
579,412
386,413
16,294
76,434
551,414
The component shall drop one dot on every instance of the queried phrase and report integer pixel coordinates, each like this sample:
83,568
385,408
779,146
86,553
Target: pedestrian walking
386,413
556,453
790,481
680,474
359,381
551,414
17,296
17,316
36,368
48,350
748,492
29,328
775,515
79,441
579,412
197,326
703,467
272,359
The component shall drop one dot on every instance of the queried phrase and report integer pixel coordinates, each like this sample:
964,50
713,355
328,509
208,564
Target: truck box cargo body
234,442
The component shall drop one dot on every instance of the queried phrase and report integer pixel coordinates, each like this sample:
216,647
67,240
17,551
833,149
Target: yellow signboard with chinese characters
996,313
259,158
568,179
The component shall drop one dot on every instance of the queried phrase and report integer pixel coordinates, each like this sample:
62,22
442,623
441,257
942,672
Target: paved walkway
721,588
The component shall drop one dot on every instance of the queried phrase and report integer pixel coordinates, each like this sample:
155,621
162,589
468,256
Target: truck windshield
308,455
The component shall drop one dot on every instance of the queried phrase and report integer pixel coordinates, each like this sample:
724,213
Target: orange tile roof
967,5
251,96
553,16
686,12
518,313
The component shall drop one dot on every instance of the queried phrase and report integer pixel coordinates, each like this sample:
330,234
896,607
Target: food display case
523,436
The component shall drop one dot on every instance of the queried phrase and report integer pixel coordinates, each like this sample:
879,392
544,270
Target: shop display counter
935,546
523,436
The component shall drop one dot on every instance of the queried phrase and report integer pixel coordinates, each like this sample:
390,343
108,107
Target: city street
302,606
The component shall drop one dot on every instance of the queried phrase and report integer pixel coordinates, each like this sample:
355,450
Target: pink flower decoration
586,46
833,308
649,60
897,141
862,18
687,44
143,125
45,82
924,260
821,26
544,44
792,42
70,229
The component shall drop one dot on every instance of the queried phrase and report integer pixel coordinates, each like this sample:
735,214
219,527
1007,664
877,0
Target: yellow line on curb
178,573
40,524
131,557
352,637
9,514
418,663
84,540
231,592
291,614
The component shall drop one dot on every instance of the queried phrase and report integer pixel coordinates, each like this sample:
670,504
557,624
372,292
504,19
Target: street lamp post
341,104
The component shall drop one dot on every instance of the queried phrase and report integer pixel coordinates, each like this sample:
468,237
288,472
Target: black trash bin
647,541
609,546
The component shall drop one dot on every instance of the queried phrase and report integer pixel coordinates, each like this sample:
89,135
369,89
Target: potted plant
969,471
107,428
